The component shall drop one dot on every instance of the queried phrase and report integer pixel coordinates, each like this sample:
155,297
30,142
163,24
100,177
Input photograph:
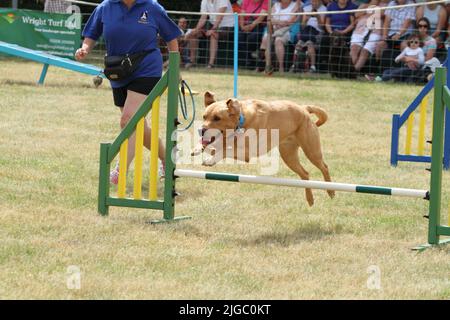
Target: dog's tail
319,112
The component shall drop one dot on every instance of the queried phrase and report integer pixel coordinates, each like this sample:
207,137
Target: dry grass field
244,241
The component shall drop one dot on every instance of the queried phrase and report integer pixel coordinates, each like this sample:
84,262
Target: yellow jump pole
448,222
122,185
409,129
139,158
153,194
422,123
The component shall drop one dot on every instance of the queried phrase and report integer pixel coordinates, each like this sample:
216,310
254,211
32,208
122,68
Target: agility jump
407,120
51,60
170,80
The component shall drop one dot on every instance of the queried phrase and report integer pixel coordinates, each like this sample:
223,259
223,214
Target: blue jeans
403,74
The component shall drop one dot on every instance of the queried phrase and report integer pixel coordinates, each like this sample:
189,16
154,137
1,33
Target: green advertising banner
54,33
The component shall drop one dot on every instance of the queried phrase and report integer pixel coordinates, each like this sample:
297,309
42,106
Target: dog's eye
216,118
204,117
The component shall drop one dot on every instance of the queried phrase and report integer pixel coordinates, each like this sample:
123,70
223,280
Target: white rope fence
370,10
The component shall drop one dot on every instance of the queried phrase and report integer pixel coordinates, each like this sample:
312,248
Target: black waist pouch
121,67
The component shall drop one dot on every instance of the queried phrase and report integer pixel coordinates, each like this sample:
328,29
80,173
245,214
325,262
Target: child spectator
182,43
412,58
311,30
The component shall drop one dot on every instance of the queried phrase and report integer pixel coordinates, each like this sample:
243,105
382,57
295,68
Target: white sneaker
312,69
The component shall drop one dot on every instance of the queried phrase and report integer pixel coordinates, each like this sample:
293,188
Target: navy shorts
139,85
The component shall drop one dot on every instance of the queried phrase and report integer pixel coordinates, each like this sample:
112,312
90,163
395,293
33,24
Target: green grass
244,241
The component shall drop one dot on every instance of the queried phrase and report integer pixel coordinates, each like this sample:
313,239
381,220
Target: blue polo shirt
131,31
340,21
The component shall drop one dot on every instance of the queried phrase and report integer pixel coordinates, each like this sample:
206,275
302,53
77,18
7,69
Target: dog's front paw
196,151
209,162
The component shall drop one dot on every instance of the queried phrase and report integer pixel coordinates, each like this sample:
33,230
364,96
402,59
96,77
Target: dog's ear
234,107
209,98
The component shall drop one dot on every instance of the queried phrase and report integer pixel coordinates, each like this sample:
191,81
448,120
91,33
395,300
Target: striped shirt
56,6
399,16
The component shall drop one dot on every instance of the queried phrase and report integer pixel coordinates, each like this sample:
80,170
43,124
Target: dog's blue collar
240,125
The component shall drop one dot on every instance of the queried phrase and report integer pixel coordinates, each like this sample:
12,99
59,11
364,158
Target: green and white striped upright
441,102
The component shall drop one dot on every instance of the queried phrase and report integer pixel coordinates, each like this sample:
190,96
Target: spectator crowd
380,43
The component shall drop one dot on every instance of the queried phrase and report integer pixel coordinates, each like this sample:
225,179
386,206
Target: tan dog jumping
293,122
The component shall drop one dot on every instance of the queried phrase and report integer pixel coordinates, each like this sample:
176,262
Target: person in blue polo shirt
132,27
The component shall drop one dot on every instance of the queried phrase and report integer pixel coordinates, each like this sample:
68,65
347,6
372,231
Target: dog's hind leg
313,152
289,154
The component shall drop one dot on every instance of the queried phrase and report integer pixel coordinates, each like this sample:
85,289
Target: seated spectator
182,44
437,17
397,26
338,27
366,34
429,44
340,23
218,26
309,36
412,58
281,23
251,30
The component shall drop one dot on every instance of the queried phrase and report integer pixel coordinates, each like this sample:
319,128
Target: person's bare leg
364,55
192,40
381,46
312,54
279,50
213,46
354,53
263,45
147,143
132,103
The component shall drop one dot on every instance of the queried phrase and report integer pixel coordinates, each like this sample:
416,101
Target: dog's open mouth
207,137
205,141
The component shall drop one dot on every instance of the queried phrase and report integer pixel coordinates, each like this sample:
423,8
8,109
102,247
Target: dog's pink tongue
204,142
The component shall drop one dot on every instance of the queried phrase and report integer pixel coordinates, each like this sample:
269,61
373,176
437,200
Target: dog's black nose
202,131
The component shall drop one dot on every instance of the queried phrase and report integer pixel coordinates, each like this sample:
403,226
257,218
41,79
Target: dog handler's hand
81,54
